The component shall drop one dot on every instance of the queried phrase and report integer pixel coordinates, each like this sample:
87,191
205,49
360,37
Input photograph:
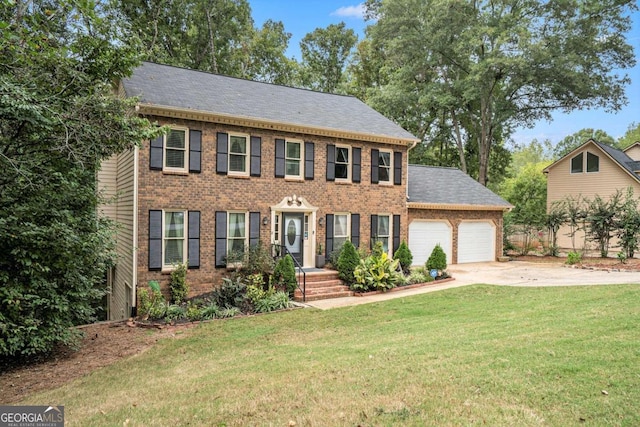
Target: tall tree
268,61
324,56
491,66
573,141
631,136
59,117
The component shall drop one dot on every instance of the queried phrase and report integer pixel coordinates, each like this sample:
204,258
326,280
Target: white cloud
356,11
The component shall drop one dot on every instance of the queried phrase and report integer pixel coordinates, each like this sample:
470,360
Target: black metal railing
280,251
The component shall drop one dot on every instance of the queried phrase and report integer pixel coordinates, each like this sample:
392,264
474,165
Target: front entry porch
319,283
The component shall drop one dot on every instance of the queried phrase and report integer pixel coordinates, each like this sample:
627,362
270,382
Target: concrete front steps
322,284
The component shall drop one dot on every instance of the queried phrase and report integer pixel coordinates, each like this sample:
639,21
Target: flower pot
320,261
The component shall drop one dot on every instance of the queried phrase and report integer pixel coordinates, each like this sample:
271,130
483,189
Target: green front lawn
479,355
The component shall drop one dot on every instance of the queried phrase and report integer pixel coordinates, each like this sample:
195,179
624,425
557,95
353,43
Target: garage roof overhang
451,207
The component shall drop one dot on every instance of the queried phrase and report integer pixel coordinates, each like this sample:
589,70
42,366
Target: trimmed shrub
284,274
348,260
178,284
437,260
403,254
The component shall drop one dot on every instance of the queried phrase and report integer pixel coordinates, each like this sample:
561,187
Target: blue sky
303,16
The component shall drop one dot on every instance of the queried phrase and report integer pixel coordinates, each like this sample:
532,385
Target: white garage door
476,241
425,235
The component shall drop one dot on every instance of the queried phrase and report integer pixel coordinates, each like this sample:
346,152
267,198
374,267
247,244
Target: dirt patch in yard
103,344
587,262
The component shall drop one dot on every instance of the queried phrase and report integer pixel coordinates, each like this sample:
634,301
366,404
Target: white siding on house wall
634,152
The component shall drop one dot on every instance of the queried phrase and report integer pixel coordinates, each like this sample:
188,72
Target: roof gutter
207,116
461,207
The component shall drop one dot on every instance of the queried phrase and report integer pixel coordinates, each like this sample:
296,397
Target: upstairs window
176,150
593,163
385,170
293,159
342,163
238,155
576,163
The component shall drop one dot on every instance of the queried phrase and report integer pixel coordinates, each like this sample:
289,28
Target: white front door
292,229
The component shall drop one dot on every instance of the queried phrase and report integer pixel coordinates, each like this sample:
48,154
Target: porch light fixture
321,221
265,220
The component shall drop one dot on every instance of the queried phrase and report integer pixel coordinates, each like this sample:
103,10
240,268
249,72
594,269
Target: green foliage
574,258
376,272
230,293
176,312
272,301
571,142
601,222
348,260
453,71
59,118
631,136
324,54
178,287
622,257
437,260
152,303
258,260
403,254
628,225
419,275
284,274
210,311
556,217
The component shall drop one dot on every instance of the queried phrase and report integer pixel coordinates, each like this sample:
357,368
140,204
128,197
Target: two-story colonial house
247,162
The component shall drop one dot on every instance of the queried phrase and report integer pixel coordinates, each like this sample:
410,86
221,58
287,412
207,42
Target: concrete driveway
513,273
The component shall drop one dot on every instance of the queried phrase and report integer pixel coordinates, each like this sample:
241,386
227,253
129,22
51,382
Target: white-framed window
383,233
341,227
176,150
294,159
237,232
238,154
174,241
593,163
343,163
385,167
576,163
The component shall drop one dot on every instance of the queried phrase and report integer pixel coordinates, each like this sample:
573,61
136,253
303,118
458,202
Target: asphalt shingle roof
449,186
621,158
168,86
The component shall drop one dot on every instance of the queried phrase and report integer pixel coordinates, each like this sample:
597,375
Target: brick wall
209,192
455,217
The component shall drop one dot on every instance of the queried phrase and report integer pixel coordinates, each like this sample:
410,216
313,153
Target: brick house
247,162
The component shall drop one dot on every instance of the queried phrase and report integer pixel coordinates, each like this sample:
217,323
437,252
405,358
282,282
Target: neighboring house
448,207
247,162
591,169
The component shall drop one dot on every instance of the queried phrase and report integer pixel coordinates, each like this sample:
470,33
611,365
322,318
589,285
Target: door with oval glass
293,239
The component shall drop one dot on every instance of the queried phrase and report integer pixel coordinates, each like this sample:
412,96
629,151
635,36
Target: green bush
210,311
152,304
178,283
419,276
230,293
175,312
284,274
272,302
437,260
376,273
403,254
574,258
348,260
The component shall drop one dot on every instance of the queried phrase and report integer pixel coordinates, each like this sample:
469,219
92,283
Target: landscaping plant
178,283
403,254
376,272
437,260
348,260
284,275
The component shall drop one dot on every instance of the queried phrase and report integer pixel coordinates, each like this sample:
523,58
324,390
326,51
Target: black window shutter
397,168
256,153
279,158
155,240
193,245
222,151
309,148
355,230
357,160
374,229
195,150
396,233
375,159
221,238
156,152
254,228
329,236
331,162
